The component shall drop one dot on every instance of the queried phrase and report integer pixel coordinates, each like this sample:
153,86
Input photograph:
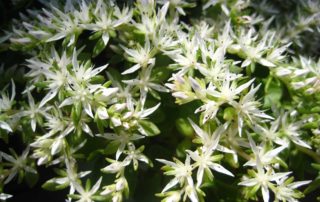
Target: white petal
200,176
158,87
102,113
4,196
97,70
171,184
56,37
246,63
96,186
51,94
105,38
132,69
219,168
8,157
244,86
278,176
107,92
198,130
33,124
86,129
88,110
266,63
149,111
5,126
299,184
172,164
11,176
66,102
56,146
116,121
300,142
265,193
248,183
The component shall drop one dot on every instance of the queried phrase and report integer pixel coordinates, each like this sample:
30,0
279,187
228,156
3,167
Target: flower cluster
227,92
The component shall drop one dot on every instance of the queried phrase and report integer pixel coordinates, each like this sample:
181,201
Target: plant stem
310,153
242,153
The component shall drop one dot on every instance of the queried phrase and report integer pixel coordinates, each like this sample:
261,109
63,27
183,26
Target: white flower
181,89
56,123
211,3
85,195
216,69
140,55
82,73
171,196
262,179
205,160
83,14
72,151
252,51
105,22
57,76
210,109
18,164
115,166
209,141
266,156
228,90
71,175
144,83
64,24
292,131
309,74
164,39
247,109
124,93
272,133
34,112
186,58
182,172
122,138
81,94
134,155
178,4
6,103
286,191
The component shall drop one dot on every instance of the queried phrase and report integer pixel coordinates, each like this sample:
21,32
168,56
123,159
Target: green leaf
50,185
42,84
95,35
111,148
229,114
149,128
95,153
182,147
184,127
316,166
76,113
155,94
98,79
31,178
273,93
98,48
315,184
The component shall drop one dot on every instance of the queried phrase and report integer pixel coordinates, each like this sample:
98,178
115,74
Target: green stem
243,154
310,153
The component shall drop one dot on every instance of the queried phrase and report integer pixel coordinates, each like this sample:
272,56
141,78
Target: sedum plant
169,100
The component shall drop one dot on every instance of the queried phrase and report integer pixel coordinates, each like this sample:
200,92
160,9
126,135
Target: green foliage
105,92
